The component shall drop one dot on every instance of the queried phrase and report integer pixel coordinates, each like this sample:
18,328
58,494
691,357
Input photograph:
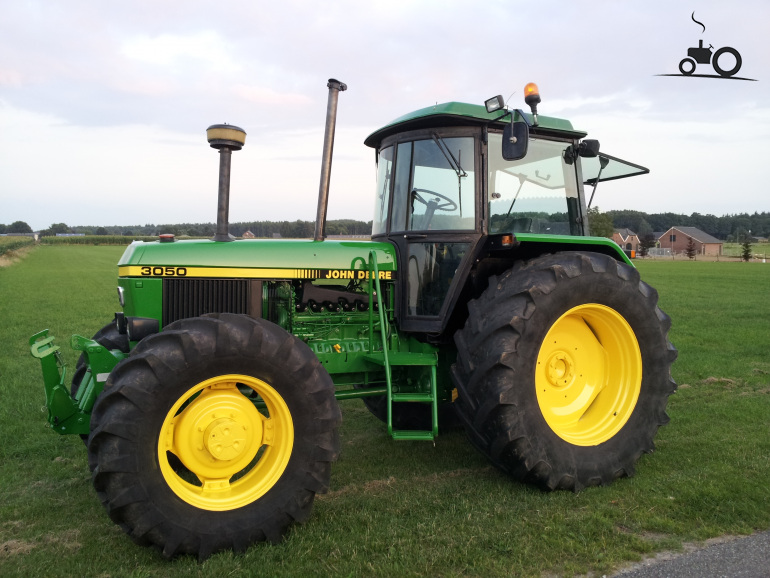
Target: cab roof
464,114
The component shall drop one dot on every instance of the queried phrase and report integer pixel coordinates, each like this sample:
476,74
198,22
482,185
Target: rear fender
525,246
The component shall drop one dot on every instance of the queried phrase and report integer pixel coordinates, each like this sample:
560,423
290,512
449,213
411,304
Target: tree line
287,229
730,228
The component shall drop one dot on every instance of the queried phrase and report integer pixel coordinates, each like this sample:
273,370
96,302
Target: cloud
170,51
117,96
627,101
264,95
10,77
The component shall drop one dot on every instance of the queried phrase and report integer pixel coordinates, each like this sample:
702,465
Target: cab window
382,194
436,186
536,194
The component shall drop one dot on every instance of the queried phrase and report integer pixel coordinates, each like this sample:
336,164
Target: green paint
361,348
262,253
68,415
575,243
143,297
459,111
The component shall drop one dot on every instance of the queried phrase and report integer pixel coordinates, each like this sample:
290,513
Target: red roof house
677,239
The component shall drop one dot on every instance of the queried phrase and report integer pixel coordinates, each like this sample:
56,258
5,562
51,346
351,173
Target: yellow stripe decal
246,273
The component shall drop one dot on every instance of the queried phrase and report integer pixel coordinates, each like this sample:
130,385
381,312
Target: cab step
412,435
423,397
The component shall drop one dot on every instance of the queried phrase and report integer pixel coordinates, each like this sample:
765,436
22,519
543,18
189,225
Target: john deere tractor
210,403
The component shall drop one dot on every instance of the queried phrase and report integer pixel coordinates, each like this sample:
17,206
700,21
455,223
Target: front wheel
214,434
687,66
563,370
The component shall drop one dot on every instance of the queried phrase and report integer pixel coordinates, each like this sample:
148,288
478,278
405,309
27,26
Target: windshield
382,194
434,185
536,194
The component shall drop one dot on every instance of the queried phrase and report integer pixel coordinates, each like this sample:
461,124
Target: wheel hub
560,369
218,434
588,374
225,439
232,452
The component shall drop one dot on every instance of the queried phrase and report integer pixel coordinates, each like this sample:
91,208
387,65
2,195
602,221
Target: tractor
209,404
701,55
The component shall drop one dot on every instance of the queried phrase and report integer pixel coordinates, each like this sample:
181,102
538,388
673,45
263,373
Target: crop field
8,245
411,508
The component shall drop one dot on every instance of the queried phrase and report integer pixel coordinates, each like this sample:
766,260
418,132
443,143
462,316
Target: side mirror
515,141
588,148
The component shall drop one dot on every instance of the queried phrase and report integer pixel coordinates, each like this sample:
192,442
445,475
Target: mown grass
734,250
412,508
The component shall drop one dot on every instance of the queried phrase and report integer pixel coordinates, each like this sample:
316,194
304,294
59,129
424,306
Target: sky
104,105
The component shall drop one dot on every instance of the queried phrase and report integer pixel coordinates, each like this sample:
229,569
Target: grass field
758,250
412,508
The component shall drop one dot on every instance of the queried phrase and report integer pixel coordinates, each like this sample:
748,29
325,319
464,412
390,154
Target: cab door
434,221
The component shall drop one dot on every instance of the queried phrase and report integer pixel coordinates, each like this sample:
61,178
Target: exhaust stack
227,138
335,87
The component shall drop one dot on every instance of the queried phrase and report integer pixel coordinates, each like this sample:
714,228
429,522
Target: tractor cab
427,204
456,180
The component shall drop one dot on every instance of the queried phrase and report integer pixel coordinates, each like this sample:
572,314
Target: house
248,235
677,239
626,238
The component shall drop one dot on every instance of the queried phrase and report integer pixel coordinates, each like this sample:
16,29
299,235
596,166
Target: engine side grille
184,298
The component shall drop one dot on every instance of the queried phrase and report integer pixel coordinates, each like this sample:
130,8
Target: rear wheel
214,434
563,370
729,72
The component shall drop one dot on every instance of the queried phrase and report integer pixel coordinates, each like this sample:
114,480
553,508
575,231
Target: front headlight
121,297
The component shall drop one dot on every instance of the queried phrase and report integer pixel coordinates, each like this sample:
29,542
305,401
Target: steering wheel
447,205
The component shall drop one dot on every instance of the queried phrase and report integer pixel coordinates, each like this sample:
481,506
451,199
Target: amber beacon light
532,98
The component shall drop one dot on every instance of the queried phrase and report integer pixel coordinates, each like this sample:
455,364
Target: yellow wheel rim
588,374
228,453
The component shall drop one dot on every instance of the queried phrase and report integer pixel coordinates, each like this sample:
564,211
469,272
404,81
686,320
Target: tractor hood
248,258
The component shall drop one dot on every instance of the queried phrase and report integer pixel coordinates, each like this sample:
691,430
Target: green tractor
209,405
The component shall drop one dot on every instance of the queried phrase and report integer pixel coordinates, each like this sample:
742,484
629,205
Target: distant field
412,508
94,240
758,249
8,244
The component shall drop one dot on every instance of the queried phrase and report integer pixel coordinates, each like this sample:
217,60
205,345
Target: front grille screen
184,298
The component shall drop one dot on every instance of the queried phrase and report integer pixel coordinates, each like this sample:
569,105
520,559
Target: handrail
375,271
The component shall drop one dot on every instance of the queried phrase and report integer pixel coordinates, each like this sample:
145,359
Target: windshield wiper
522,180
383,195
450,158
456,167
